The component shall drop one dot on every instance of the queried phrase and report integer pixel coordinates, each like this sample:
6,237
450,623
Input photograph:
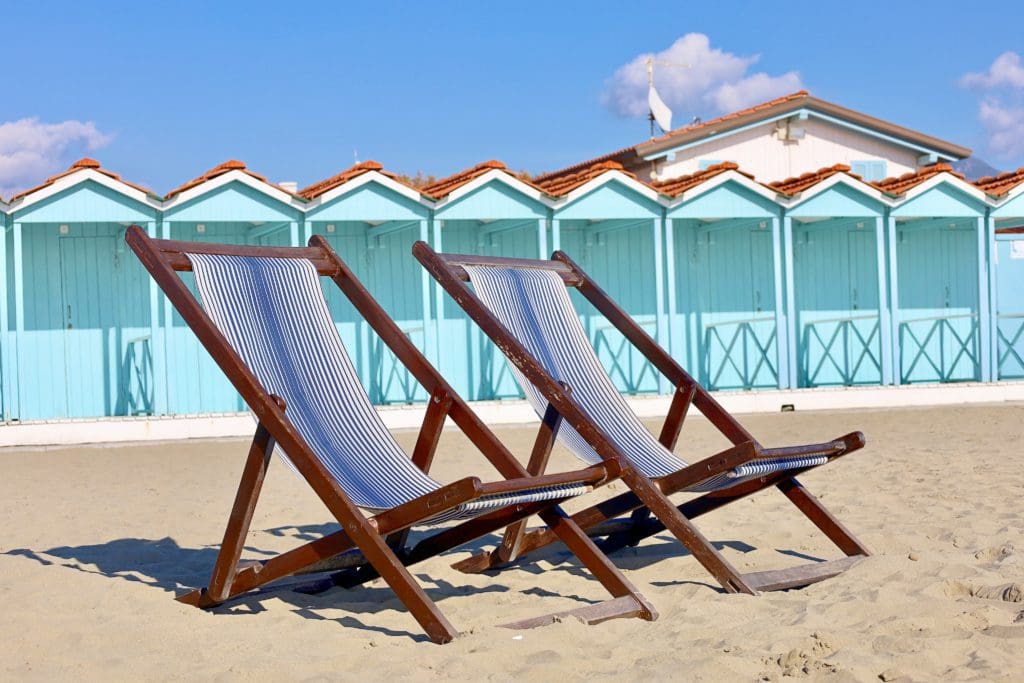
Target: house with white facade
783,138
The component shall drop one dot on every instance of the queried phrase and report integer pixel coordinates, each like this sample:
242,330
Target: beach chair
524,307
265,321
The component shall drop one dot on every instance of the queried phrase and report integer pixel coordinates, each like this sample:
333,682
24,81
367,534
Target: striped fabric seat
533,303
274,315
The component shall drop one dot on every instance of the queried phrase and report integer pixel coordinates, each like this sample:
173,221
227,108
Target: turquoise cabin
371,218
836,280
725,267
485,209
233,205
612,225
1006,243
820,280
79,313
939,273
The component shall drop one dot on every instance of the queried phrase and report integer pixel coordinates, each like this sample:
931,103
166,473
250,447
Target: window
705,163
869,170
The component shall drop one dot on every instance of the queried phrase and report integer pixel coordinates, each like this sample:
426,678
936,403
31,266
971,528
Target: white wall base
109,430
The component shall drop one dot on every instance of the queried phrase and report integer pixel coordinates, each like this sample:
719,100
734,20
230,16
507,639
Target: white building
786,137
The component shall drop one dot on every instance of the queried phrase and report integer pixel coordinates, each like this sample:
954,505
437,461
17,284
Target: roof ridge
83,164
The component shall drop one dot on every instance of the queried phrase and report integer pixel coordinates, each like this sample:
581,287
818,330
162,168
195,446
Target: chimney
289,185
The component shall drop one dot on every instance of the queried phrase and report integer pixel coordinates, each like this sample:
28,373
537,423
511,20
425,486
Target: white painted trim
73,432
78,177
363,179
943,178
721,179
999,202
604,179
494,174
233,175
838,179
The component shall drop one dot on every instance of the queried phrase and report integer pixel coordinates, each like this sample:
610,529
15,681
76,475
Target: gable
234,201
371,201
609,201
728,200
87,201
941,201
493,200
840,200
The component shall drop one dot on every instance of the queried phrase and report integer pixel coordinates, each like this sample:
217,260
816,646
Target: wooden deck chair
524,307
265,321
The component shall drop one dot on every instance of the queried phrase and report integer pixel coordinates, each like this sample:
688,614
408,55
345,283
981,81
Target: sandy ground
94,543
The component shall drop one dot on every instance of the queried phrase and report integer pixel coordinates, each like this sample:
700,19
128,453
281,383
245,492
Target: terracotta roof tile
677,186
801,182
998,185
82,165
351,173
908,181
799,95
563,183
219,170
445,186
613,156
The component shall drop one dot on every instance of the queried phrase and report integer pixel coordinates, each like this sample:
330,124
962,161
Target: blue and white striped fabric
273,313
534,305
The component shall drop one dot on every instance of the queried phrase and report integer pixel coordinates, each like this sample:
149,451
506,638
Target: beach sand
96,541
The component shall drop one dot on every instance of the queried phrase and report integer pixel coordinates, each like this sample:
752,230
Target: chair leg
821,517
241,515
680,527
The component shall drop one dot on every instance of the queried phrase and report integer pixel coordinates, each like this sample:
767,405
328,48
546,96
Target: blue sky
297,89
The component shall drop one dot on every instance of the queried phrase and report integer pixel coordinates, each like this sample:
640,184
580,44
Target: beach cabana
611,225
486,209
835,244
228,204
371,218
939,276
79,314
725,279
1006,244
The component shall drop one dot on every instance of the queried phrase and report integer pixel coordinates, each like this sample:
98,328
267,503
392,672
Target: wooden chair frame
647,496
367,547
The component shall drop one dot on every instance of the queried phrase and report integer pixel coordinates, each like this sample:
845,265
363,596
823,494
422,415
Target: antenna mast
651,61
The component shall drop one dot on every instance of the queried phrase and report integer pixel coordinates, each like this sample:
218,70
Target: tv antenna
658,111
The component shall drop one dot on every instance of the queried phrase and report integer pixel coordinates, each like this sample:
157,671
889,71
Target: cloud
30,149
1006,70
716,82
1004,125
1001,107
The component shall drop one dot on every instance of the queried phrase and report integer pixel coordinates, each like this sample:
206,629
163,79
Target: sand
96,541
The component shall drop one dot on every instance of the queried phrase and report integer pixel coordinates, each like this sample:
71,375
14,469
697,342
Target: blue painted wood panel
494,200
371,201
610,201
232,202
86,350
938,303
87,202
724,324
728,200
621,261
469,359
1010,306
837,303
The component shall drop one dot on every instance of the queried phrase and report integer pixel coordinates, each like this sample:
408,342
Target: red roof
802,94
81,165
801,182
613,156
445,186
908,181
677,186
558,184
1001,184
351,173
219,170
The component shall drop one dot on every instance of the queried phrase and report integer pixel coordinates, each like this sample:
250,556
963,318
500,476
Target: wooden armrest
728,459
590,476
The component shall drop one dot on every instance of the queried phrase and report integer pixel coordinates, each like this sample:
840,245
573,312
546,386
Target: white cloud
31,150
1001,108
716,82
1006,70
1005,127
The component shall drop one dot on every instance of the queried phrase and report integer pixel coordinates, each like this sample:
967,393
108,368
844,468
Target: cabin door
88,300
